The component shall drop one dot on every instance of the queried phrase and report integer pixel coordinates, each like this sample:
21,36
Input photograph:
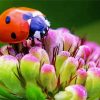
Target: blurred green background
80,16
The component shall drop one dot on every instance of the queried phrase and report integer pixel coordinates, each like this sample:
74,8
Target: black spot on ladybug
13,35
27,16
8,19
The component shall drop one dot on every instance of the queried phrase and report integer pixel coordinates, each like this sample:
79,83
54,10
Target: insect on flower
18,24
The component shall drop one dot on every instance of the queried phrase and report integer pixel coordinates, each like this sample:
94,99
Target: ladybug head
39,26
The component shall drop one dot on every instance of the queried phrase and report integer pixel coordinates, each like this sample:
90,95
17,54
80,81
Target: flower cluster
61,66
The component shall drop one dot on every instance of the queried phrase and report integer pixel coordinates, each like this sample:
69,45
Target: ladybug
18,24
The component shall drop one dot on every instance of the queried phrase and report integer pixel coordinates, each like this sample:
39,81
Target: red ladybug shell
13,28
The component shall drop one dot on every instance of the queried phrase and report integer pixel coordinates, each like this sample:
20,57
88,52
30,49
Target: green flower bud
68,69
8,68
30,66
93,83
81,76
48,77
40,53
62,95
61,57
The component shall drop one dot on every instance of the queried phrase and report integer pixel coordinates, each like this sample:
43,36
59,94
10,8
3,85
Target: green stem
33,92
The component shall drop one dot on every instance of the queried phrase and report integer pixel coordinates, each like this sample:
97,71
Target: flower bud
69,41
95,54
48,77
76,92
83,52
98,63
81,76
7,49
75,44
94,57
91,64
81,62
61,57
40,53
62,95
91,44
67,69
53,40
30,66
4,50
8,68
93,83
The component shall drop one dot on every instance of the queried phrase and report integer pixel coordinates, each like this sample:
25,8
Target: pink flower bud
91,64
81,62
81,76
48,77
83,52
76,92
46,68
95,53
7,50
53,40
70,41
91,45
95,56
4,50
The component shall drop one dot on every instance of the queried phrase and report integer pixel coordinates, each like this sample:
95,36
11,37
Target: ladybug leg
31,37
33,42
42,39
17,47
